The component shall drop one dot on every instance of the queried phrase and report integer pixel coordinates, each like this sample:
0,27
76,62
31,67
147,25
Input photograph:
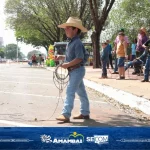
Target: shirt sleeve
147,43
116,40
79,51
126,39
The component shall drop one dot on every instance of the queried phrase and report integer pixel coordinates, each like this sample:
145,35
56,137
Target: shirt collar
72,39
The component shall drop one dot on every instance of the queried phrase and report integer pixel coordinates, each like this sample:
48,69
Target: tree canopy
36,21
99,10
2,52
130,15
10,52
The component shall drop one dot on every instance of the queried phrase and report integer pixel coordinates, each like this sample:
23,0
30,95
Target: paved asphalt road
28,97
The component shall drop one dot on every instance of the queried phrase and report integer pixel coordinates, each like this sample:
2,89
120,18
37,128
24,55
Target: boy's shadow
88,123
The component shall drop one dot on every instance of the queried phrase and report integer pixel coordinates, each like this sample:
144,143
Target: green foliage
130,15
89,48
2,52
10,52
36,21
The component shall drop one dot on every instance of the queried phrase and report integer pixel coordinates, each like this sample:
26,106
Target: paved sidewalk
132,84
131,91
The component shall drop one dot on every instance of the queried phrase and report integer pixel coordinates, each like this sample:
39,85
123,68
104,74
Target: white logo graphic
66,140
73,138
99,139
46,138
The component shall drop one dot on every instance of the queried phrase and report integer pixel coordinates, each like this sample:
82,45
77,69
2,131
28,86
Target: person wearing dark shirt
147,65
110,55
105,59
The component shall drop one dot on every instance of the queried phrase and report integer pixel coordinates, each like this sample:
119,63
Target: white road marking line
55,97
26,77
27,83
16,123
25,94
26,73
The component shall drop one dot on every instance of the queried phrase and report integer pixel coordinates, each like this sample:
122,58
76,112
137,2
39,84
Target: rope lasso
60,79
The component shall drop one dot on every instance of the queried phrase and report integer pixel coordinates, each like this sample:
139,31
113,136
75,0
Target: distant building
1,41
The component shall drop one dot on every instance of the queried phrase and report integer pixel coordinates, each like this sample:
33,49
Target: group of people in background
37,60
140,55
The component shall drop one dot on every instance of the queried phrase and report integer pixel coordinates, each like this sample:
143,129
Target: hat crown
74,20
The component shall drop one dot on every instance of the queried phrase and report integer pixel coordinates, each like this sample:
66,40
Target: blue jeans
104,70
120,62
116,66
133,57
76,85
147,66
131,63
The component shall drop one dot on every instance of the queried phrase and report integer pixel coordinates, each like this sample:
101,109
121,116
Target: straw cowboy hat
143,30
74,22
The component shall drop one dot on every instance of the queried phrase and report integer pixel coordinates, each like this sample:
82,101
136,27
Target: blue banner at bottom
74,138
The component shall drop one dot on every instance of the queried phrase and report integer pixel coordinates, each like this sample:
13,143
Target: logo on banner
46,138
73,138
99,139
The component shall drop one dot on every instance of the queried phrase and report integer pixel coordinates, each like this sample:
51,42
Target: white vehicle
60,48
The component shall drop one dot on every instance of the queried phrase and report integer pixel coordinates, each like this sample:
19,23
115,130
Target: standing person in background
133,50
40,59
115,48
121,55
33,58
141,39
147,65
105,59
110,55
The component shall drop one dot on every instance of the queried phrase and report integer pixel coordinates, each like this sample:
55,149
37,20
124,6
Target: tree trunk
96,49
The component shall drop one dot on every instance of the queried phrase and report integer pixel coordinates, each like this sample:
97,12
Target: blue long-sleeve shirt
110,49
105,54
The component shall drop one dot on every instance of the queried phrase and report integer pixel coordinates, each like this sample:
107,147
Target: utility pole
17,50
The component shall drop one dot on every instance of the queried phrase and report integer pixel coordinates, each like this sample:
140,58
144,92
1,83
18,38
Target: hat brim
64,25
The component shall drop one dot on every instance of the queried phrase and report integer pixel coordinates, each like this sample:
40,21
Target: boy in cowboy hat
75,55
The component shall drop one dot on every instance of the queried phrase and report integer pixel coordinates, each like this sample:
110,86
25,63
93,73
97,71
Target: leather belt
75,67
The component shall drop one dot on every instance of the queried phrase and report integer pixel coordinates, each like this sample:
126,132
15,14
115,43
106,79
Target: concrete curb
122,97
